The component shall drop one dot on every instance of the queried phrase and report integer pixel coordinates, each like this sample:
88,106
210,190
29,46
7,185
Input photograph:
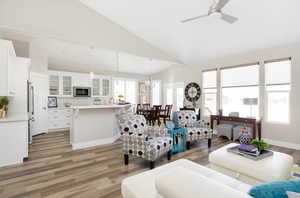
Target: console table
255,123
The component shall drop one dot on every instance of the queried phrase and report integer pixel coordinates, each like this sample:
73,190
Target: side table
179,139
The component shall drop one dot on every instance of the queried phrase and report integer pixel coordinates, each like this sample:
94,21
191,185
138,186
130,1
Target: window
127,88
278,79
156,92
210,92
179,98
169,96
240,90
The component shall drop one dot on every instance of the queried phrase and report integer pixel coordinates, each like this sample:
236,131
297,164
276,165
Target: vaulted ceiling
262,24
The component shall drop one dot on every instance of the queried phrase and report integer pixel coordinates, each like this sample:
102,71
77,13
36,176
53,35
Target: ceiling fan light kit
216,9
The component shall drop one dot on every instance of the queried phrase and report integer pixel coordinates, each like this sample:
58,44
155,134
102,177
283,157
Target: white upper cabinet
96,87
82,80
54,85
67,85
7,68
106,86
61,84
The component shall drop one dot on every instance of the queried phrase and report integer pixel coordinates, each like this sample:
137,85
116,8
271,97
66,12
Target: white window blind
278,85
278,73
210,79
156,92
240,84
210,92
240,76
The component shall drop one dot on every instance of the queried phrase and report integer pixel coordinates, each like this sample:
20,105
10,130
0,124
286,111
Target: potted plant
3,106
260,145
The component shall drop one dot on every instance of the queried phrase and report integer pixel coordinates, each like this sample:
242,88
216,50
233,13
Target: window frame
125,81
241,86
160,92
210,88
266,91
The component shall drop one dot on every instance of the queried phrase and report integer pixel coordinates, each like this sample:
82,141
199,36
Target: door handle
45,108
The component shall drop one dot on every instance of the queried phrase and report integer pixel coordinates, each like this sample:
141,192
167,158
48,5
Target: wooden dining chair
138,109
166,113
156,114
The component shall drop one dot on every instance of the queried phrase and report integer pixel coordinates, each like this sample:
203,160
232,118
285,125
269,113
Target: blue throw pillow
276,189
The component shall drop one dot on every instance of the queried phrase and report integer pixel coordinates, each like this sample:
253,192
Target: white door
40,84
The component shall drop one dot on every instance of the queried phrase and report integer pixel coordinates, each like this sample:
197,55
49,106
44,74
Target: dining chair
156,114
166,113
138,109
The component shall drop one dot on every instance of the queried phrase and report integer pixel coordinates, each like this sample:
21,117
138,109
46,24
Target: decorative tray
264,154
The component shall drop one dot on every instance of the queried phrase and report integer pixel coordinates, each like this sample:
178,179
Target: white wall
70,20
179,74
39,57
279,133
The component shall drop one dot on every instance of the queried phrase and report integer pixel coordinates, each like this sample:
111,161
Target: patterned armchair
141,140
196,130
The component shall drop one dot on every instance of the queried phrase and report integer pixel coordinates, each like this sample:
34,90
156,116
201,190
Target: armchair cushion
141,140
184,119
195,133
157,147
131,123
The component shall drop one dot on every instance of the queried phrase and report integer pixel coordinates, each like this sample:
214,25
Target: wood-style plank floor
54,170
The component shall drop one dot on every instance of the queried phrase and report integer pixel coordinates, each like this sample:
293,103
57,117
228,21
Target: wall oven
82,91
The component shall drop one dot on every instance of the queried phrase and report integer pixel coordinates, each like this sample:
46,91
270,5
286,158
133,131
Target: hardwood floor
54,170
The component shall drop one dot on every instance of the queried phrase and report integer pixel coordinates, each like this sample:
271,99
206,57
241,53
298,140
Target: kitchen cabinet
82,80
96,87
106,87
59,118
54,85
13,141
67,89
7,68
61,84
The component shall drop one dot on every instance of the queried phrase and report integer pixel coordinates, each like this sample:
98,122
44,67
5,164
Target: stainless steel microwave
82,91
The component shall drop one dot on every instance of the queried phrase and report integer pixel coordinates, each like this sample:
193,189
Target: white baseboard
283,144
95,143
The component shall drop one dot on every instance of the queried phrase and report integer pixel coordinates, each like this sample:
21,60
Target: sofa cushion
181,182
275,189
143,184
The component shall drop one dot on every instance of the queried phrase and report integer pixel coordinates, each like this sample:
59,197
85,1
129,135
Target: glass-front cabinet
61,84
67,86
54,85
106,87
96,87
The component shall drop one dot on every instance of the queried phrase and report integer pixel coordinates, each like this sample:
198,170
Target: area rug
295,172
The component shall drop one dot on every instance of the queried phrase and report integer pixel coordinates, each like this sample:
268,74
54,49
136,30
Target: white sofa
183,179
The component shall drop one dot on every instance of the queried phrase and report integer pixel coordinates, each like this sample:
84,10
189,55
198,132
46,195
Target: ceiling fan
216,9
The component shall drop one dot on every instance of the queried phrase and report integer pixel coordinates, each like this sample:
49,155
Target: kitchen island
94,125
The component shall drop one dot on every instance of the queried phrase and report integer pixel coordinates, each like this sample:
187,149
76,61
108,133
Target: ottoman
225,130
276,167
238,130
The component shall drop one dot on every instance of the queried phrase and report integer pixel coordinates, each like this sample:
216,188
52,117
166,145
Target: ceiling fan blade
228,18
221,4
194,18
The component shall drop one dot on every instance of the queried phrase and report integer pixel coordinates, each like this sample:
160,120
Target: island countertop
111,106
